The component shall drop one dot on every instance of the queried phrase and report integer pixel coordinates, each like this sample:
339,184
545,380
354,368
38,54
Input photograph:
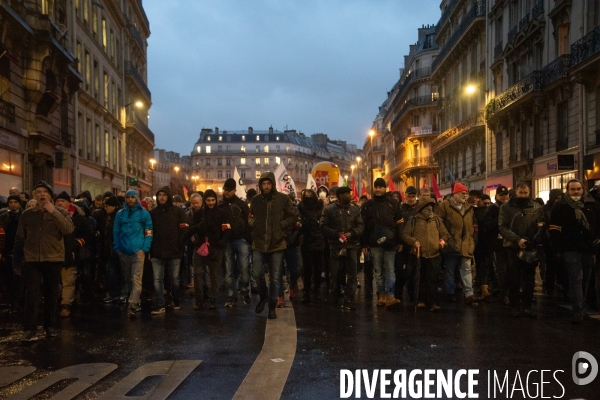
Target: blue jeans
271,263
579,268
463,264
133,269
236,249
158,272
383,261
291,256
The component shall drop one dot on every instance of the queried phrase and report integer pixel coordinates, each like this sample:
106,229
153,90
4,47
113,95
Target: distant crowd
59,251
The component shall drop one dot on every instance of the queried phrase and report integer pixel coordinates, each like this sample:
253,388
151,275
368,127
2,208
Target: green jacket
272,217
40,235
427,232
462,228
519,222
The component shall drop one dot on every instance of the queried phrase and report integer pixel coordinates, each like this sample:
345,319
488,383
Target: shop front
553,173
492,183
591,167
11,162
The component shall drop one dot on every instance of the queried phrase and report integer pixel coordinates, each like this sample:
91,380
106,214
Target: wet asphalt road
328,339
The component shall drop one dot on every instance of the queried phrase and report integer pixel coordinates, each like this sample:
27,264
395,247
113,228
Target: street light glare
371,133
470,89
139,104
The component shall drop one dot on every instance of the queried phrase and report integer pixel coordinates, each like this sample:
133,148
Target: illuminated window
257,161
277,160
207,149
243,149
10,162
266,161
198,149
220,138
266,149
257,174
243,160
243,138
258,149
208,138
257,138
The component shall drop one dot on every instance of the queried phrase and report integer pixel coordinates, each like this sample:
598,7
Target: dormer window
257,138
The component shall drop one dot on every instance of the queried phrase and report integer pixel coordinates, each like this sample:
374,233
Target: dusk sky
311,65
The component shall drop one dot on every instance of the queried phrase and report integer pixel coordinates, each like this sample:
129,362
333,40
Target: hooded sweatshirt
426,231
170,226
272,215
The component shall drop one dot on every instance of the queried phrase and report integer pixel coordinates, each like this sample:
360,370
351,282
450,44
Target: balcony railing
556,70
414,102
562,144
498,49
524,22
473,170
499,164
416,162
531,83
136,35
7,110
538,151
512,33
478,10
134,120
464,173
474,120
132,71
538,9
586,47
422,73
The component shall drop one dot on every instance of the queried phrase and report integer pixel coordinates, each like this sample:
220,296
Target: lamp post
470,90
358,160
152,162
371,134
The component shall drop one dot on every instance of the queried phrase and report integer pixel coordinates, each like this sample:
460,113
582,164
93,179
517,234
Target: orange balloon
326,174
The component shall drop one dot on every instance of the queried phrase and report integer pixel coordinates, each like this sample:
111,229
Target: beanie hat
250,193
333,190
13,197
112,201
107,194
63,195
411,190
46,186
229,184
131,192
379,182
475,193
342,190
459,187
209,193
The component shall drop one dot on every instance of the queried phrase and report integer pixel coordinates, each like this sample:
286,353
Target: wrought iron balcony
415,163
512,33
524,22
556,70
474,120
538,9
538,151
473,170
478,10
512,158
586,47
531,83
414,102
499,164
422,73
562,144
498,49
524,155
7,110
464,173
137,123
131,70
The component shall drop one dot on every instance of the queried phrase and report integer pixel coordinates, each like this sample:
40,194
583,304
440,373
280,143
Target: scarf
578,206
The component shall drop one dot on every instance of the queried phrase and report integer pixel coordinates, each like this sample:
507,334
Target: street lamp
176,170
358,160
371,134
152,162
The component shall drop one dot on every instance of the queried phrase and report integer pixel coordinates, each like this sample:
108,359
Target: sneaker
280,302
132,312
176,305
229,303
107,299
472,300
190,286
51,332
272,313
157,310
65,311
28,336
292,294
435,308
247,300
420,305
212,304
261,305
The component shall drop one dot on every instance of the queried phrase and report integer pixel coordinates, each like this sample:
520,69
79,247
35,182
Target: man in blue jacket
132,240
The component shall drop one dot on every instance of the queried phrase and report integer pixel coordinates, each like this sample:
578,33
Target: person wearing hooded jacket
132,233
427,233
313,245
272,216
211,224
554,270
170,225
237,250
575,236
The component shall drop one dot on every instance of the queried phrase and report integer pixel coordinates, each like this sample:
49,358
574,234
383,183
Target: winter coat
272,217
132,230
238,211
9,221
170,225
313,237
385,212
212,224
427,232
491,229
462,228
567,233
547,210
80,238
519,222
108,235
40,235
336,219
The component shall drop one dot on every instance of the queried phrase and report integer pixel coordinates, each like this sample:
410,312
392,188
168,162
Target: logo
584,363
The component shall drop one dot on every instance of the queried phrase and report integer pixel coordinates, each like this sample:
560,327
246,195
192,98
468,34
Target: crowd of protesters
412,246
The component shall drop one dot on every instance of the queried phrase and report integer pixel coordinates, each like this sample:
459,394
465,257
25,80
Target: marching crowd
81,250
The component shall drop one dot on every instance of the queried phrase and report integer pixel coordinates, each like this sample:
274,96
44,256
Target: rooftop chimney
270,130
216,130
250,130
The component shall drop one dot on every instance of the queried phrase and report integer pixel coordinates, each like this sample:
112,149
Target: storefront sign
421,130
551,166
566,162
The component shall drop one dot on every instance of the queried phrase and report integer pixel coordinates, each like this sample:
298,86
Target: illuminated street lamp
152,162
371,134
358,160
176,170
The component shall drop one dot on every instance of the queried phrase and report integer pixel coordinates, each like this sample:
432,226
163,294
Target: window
219,149
112,45
207,175
287,149
10,162
86,12
96,80
198,149
243,161
208,162
219,174
98,138
266,161
243,174
228,174
258,149
243,149
228,161
289,160
277,160
106,149
277,138
80,134
94,20
104,34
227,148
79,56
88,71
243,138
207,149
114,152
266,150
257,174
208,138
119,156
89,141
277,149
106,94
257,161
257,138
219,161
562,129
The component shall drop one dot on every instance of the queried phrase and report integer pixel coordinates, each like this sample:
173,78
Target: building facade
217,153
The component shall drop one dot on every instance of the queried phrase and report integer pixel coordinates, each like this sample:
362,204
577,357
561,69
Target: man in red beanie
459,218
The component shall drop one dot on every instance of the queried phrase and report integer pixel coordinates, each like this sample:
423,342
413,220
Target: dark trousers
481,266
337,279
115,279
34,273
520,273
501,269
428,283
312,262
405,274
212,263
552,270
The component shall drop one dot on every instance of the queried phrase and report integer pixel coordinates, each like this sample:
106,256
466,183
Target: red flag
185,192
436,189
354,190
391,184
364,192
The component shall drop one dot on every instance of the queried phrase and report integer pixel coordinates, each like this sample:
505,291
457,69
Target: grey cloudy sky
311,65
